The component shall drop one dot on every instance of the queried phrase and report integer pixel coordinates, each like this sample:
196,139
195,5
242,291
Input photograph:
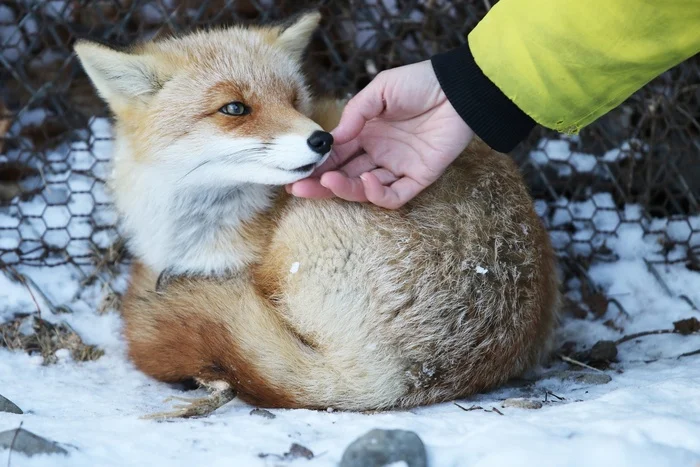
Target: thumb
366,105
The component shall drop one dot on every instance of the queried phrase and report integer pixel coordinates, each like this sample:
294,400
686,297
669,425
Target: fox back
307,303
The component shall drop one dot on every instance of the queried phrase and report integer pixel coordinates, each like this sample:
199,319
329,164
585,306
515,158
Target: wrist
479,102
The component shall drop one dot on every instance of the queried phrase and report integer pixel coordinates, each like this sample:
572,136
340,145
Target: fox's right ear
119,76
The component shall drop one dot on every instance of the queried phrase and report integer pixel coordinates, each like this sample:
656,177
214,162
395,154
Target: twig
45,298
20,278
687,299
478,407
12,444
688,354
473,407
642,334
688,116
546,393
657,276
576,362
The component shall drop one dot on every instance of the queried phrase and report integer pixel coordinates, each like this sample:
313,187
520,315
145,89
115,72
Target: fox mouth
304,168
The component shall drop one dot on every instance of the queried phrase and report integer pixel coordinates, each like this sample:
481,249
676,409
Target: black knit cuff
481,104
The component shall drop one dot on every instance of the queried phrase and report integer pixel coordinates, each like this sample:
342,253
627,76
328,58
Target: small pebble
521,403
263,413
687,326
297,450
603,351
582,377
6,405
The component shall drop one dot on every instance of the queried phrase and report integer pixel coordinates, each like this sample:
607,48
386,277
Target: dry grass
107,267
30,333
46,339
4,124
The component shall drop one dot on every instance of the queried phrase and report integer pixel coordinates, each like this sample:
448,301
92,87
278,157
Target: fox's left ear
296,37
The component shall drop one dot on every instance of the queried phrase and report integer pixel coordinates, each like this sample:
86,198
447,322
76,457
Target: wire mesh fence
636,169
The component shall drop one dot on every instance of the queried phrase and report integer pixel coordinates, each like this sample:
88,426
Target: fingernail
364,177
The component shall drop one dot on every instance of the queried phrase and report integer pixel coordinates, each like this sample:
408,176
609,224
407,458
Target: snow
648,415
557,153
624,151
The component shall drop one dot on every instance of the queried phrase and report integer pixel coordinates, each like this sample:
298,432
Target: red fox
306,303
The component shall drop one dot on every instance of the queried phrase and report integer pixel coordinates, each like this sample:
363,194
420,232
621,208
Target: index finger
366,105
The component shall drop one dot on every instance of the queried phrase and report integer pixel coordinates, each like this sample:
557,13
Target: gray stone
520,403
6,405
381,447
263,413
28,443
583,377
604,351
297,450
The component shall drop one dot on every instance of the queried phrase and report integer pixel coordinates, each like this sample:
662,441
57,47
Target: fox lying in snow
305,303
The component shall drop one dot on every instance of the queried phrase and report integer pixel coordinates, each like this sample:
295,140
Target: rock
263,413
28,443
582,377
297,450
521,403
603,351
6,405
381,447
597,302
574,309
687,326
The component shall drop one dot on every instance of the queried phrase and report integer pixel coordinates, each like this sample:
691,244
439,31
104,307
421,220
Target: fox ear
296,36
119,76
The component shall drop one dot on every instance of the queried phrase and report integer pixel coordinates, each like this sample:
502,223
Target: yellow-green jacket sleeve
565,63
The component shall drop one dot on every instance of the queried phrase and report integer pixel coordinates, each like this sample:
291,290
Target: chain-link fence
637,167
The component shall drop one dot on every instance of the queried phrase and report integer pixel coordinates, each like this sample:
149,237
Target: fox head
214,108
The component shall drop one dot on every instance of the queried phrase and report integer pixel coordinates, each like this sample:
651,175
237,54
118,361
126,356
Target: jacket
562,63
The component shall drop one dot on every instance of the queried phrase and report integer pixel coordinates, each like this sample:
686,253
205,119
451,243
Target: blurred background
634,172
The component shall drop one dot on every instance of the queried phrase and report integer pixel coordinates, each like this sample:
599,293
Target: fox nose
320,142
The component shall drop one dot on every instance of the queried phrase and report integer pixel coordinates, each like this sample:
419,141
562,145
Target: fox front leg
165,278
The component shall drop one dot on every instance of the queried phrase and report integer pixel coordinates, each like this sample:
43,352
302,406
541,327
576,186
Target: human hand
395,137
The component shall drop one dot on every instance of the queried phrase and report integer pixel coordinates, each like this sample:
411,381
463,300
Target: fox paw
198,407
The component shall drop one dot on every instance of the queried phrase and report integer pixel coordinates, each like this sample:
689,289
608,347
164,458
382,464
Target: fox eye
235,108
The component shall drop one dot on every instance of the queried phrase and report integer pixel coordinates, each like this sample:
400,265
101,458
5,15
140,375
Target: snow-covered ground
648,414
